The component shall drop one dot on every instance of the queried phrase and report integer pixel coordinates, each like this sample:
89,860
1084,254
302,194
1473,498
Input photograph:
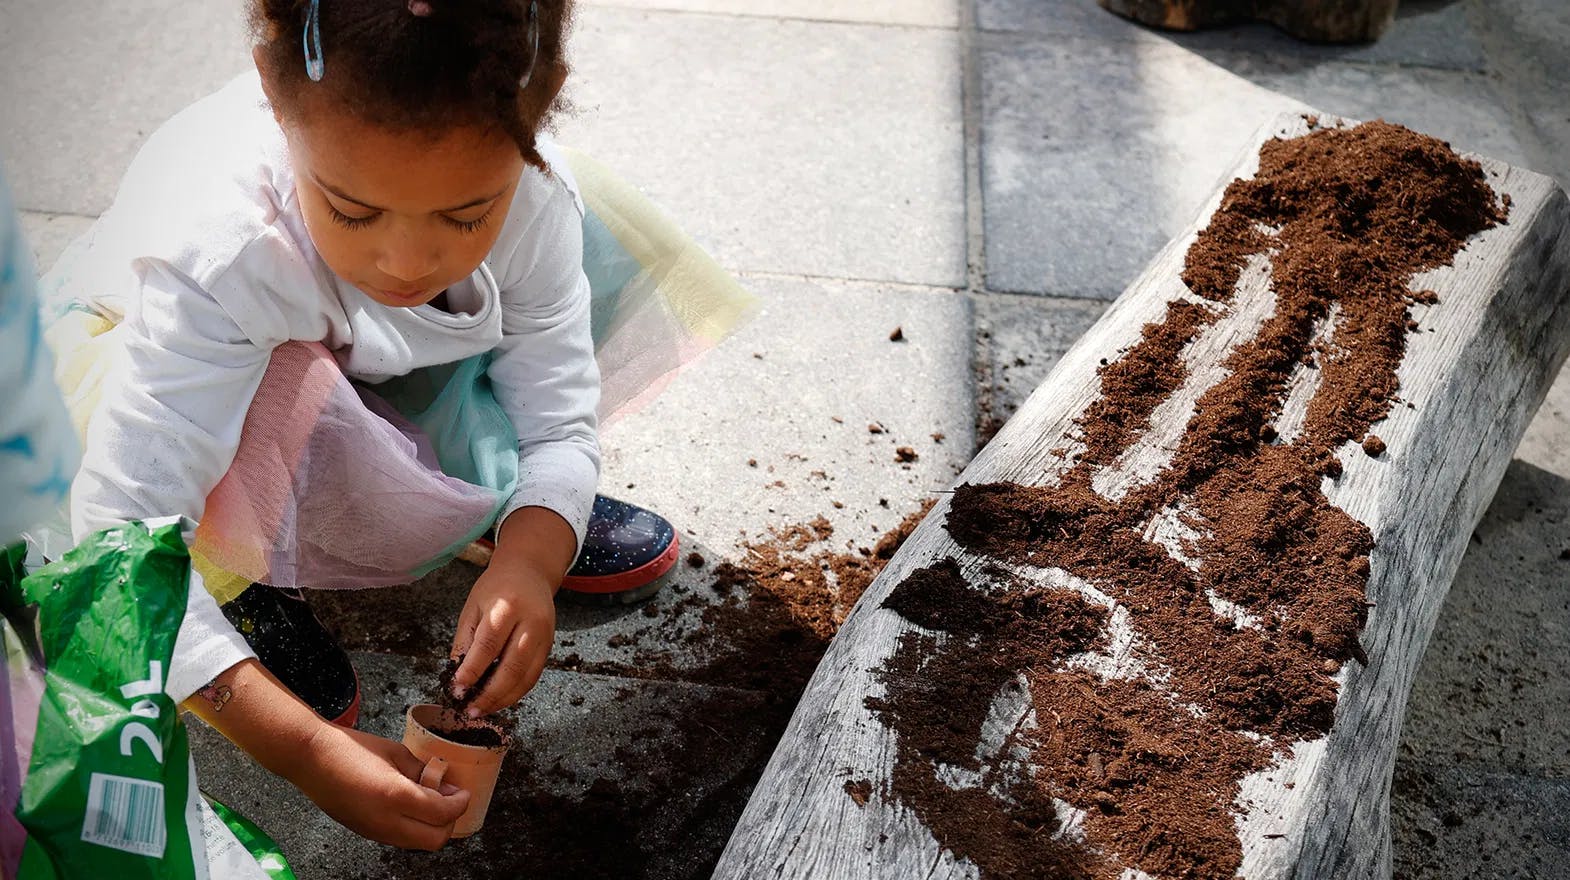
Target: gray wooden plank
1501,330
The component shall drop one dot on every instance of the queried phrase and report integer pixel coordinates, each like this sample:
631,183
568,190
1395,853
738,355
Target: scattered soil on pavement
764,626
781,605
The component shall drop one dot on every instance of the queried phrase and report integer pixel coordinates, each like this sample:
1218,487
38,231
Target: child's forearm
366,783
261,716
539,539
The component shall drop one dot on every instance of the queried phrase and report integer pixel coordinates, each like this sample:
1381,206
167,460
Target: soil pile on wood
1239,624
979,644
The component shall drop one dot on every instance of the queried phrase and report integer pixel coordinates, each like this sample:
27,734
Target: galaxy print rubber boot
626,551
298,650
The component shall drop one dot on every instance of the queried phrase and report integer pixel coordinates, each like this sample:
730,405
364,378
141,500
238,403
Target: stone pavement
984,174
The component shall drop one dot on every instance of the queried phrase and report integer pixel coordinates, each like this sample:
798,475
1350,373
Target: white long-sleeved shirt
205,259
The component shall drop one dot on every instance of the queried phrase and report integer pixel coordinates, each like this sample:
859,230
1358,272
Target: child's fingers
520,670
411,833
415,835
468,620
489,637
430,807
504,680
426,815
431,776
404,761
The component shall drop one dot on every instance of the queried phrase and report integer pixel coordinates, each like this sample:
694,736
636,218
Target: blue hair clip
315,61
534,43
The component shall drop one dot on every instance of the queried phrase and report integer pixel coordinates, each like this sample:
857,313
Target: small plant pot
472,768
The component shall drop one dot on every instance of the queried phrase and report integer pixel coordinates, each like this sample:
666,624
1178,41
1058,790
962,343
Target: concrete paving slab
604,774
769,430
48,234
1526,43
414,620
1494,670
1462,108
783,146
1525,33
1065,18
795,391
1095,152
1018,341
1437,33
1086,175
86,82
1467,821
1548,127
1546,443
917,13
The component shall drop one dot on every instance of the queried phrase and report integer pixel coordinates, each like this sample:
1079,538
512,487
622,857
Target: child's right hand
365,782
370,785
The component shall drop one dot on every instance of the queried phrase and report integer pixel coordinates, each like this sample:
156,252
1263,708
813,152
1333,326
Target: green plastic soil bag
109,788
238,850
111,782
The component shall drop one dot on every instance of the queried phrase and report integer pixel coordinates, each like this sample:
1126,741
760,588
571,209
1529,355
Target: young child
340,313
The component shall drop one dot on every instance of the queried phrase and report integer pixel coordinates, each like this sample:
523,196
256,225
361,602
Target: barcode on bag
125,814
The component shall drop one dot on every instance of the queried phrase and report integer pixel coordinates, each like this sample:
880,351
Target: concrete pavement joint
744,275
970,116
752,16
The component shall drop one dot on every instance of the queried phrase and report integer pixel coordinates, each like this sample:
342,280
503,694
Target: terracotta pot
471,768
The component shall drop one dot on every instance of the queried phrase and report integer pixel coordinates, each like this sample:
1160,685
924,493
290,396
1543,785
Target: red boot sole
351,715
627,581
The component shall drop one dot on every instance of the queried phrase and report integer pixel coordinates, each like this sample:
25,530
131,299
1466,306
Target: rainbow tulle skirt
336,484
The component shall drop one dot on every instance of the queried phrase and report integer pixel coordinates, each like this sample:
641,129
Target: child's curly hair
425,65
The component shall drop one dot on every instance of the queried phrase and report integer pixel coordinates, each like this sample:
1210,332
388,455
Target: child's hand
368,784
510,617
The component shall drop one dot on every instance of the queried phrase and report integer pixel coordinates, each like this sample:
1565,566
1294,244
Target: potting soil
482,735
1346,217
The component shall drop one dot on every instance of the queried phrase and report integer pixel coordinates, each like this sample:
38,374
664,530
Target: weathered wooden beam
1327,21
1470,381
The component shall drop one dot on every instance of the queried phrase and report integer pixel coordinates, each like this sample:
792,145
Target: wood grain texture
1331,21
1474,376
